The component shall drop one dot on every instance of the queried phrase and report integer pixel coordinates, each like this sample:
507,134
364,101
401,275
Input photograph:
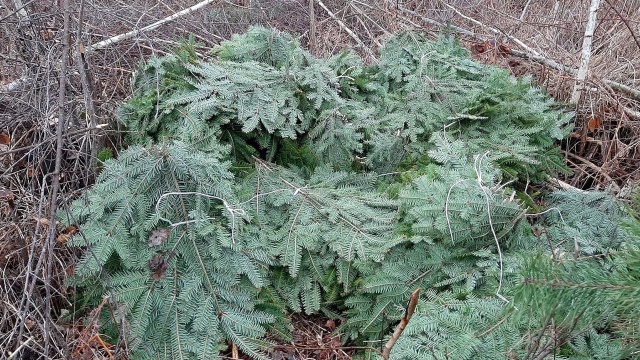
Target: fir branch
255,189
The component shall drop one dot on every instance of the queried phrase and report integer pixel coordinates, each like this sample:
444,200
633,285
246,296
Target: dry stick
234,351
25,301
635,115
594,167
115,39
17,351
30,277
312,27
587,40
524,10
407,19
408,313
346,29
623,88
625,22
564,186
55,183
87,90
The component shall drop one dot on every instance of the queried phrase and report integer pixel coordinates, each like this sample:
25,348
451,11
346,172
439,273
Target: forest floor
543,39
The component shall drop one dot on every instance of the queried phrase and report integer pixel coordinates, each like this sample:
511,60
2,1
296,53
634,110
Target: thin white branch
547,211
114,39
430,21
446,209
476,166
524,10
544,61
586,51
21,11
528,54
22,345
233,211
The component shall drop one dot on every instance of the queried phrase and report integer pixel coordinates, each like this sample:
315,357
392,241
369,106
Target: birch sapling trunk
586,52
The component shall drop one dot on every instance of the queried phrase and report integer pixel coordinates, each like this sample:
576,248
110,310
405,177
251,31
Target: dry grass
603,149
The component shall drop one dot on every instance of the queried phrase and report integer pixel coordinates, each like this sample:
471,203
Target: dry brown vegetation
59,94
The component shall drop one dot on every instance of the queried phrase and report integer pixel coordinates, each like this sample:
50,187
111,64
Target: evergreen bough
266,181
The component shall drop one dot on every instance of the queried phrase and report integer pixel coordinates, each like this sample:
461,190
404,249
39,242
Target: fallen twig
623,88
596,168
17,351
114,39
408,313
